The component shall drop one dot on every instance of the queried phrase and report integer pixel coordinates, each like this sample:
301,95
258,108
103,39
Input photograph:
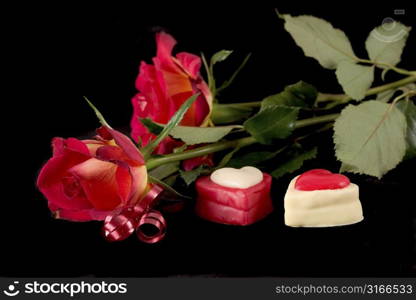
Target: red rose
164,87
87,180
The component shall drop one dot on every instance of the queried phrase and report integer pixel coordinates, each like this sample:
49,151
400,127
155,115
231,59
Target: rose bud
234,196
89,179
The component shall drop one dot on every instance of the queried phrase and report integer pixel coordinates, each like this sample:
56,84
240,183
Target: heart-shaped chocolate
237,178
321,179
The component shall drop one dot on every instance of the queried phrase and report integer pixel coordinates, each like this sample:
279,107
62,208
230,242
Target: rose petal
93,147
203,103
165,43
190,63
152,102
56,167
192,163
139,183
81,215
60,146
98,181
141,109
124,183
112,154
104,133
131,151
56,196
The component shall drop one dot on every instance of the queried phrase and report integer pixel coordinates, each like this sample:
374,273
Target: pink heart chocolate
321,179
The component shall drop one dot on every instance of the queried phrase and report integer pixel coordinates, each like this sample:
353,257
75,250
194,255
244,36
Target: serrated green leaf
173,122
370,138
294,163
272,123
220,56
345,167
192,175
192,135
253,158
385,43
354,79
320,40
408,108
300,94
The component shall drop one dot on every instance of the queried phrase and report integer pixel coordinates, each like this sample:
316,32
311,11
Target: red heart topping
321,179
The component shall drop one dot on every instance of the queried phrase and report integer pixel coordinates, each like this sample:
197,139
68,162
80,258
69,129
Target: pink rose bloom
163,88
89,179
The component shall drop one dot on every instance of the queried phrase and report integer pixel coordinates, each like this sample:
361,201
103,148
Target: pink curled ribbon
129,219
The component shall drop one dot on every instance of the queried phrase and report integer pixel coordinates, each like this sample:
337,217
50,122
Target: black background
59,54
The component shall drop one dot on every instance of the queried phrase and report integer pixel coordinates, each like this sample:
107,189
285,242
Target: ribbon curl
124,222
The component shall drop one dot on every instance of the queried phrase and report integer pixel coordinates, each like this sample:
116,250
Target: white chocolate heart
237,178
322,208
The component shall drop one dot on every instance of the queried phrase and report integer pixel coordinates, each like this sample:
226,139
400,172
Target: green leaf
165,170
295,162
370,138
408,108
192,135
192,175
229,113
253,158
220,56
272,123
320,40
174,121
345,167
97,112
153,127
300,94
167,187
385,43
355,79
200,135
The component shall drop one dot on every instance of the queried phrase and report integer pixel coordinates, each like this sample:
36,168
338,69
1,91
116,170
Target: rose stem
215,147
338,98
